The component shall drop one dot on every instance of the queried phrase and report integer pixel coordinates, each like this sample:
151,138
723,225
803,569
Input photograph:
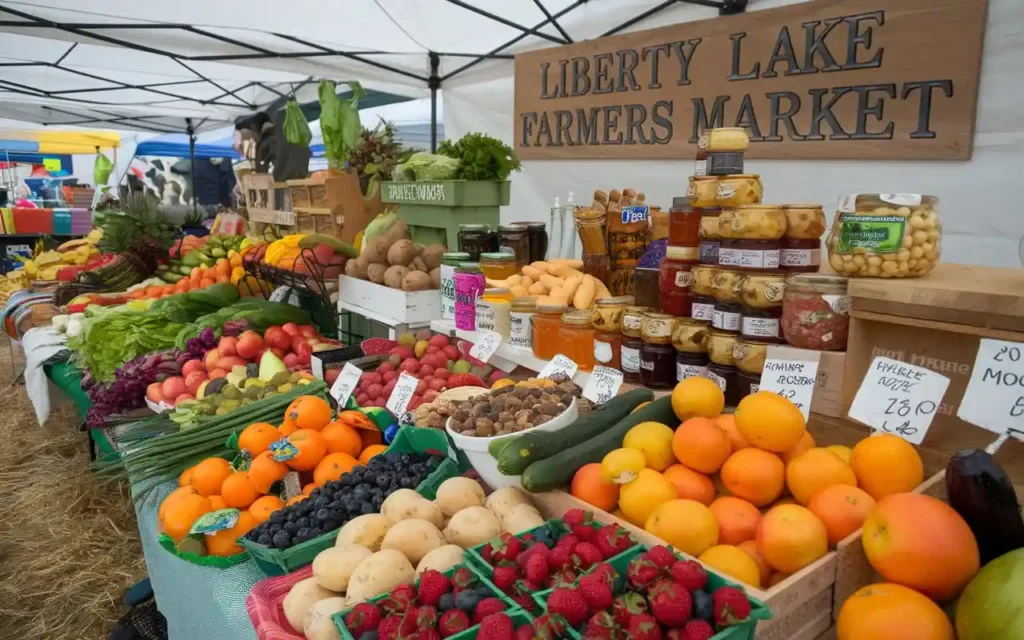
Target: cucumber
496,446
538,445
558,470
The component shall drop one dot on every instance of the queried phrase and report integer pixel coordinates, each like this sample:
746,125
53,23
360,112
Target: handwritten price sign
486,345
995,393
346,383
792,374
603,384
899,398
400,396
559,364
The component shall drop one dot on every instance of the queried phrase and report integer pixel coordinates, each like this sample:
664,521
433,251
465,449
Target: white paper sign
292,485
346,383
559,364
602,385
994,398
896,397
486,345
402,394
792,374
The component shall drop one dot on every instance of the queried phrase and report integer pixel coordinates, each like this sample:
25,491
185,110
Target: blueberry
282,540
446,602
703,607
367,508
303,522
467,600
377,502
291,528
264,539
320,502
483,591
359,494
277,517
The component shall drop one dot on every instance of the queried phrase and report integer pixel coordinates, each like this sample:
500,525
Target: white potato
455,494
414,538
333,567
472,526
318,624
302,596
441,559
366,531
406,504
381,572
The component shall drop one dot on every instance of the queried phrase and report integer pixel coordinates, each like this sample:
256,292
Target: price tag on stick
559,364
346,383
602,385
793,374
994,398
899,398
402,394
486,345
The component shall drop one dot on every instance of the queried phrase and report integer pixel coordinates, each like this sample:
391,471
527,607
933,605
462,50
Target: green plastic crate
218,562
744,631
277,562
339,618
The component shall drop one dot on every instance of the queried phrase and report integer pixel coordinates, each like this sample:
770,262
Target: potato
318,624
393,276
441,559
376,250
375,272
537,289
301,597
414,538
399,231
455,494
366,531
514,280
417,264
502,501
415,281
432,255
354,270
406,504
521,517
333,567
402,252
381,572
472,526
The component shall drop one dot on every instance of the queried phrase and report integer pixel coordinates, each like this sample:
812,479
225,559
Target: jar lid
637,310
498,257
813,280
524,302
624,301
692,178
800,206
474,227
510,227
552,308
579,318
756,207
681,253
530,225
496,291
469,265
681,202
455,256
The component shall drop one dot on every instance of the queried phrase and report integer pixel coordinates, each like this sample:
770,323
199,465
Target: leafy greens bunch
481,157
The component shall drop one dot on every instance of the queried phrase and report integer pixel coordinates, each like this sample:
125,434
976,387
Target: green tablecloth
69,380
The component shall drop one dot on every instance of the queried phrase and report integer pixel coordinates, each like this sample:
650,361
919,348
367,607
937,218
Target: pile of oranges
327,448
223,270
748,493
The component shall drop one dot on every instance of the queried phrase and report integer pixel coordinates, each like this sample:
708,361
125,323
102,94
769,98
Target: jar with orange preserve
657,356
816,312
546,323
576,338
632,328
675,278
683,224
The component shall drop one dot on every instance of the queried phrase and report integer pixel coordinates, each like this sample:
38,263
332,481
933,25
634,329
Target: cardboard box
828,392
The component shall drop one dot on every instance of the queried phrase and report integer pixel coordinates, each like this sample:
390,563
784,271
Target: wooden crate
384,302
339,197
265,200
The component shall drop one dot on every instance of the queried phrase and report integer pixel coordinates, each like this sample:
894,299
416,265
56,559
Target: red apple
280,353
194,380
292,360
228,346
388,376
192,365
330,375
183,397
296,341
305,353
249,345
173,387
291,329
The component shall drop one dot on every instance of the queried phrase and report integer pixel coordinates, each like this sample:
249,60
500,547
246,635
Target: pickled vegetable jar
762,291
723,139
749,355
656,328
632,328
720,346
608,313
515,239
498,266
475,239
546,323
676,276
576,338
703,191
521,321
752,222
737,190
690,336
816,312
804,221
683,224
749,255
885,235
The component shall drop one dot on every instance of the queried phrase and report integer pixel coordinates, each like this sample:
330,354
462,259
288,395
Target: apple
249,345
173,387
296,341
305,353
183,397
277,338
194,380
192,365
291,329
291,360
228,346
331,375
154,392
217,373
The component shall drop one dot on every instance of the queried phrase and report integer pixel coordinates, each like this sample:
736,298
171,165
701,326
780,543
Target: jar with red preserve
747,384
675,278
816,312
799,256
726,377
749,255
683,224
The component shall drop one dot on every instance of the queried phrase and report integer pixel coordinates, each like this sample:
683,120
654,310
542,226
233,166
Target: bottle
557,215
570,243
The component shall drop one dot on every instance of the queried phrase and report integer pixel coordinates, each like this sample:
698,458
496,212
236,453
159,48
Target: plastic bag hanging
296,129
101,169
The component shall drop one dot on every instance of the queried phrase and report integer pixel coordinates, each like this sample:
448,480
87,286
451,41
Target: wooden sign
858,79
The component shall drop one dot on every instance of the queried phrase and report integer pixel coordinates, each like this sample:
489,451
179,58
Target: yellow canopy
58,142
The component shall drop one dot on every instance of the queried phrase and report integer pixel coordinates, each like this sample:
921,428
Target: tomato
291,328
276,338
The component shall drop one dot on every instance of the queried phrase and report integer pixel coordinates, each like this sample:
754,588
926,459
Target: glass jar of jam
726,285
660,226
804,221
762,291
748,383
576,338
749,355
738,190
657,357
520,332
727,316
690,336
702,191
683,224
675,280
498,266
546,323
816,312
752,222
515,240
691,365
647,286
703,308
720,346
749,255
537,234
629,354
475,239
449,261
469,284
607,321
726,378
762,324
799,256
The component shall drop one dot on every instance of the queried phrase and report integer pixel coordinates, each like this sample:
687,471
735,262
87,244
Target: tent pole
434,83
192,161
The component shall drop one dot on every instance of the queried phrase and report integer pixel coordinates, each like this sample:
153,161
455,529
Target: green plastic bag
101,170
296,129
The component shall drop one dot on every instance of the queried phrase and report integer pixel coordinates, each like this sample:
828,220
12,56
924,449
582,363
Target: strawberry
399,599
462,579
486,607
487,554
564,578
662,557
426,634
535,549
731,606
527,539
597,589
608,570
388,628
526,588
451,622
627,605
641,572
408,627
524,601
671,604
576,517
363,617
536,569
585,555
643,627
505,547
426,617
433,585
569,541
696,630
611,540
550,626
690,574
505,578
559,558
497,626
601,626
570,604
524,632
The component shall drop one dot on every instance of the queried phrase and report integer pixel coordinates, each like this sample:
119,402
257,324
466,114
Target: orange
806,444
737,519
171,498
756,476
697,397
750,548
886,464
257,438
891,612
588,486
183,513
287,428
308,489
639,498
332,467
209,475
342,438
223,543
734,563
687,525
311,448
700,444
844,453
370,451
777,577
309,412
815,470
690,484
770,422
263,507
842,509
728,424
295,500
264,471
237,491
185,476
922,543
790,537
218,503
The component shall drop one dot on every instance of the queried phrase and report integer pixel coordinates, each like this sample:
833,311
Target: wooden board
824,79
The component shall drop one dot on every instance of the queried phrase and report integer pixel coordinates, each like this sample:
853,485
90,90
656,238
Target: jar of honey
546,323
683,224
498,266
629,353
521,321
576,338
690,336
675,278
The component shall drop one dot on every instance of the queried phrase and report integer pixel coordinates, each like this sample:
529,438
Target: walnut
537,392
548,409
541,419
566,398
503,390
485,427
479,410
509,425
466,406
461,415
568,387
506,416
524,417
471,433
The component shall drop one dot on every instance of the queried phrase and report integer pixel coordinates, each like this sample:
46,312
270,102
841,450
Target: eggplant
980,491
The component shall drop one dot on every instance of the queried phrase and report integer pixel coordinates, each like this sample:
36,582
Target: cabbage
424,167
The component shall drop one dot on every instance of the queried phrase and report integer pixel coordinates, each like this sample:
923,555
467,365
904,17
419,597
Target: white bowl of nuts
507,413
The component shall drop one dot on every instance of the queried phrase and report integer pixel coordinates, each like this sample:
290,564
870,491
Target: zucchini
979,490
496,446
558,470
534,445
